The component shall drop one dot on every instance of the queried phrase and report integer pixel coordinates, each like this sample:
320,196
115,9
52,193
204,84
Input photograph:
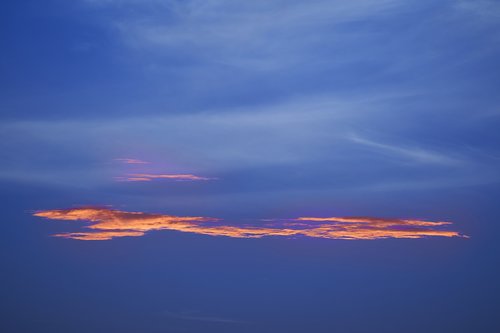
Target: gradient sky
250,166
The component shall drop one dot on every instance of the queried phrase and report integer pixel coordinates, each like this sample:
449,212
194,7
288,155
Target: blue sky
285,109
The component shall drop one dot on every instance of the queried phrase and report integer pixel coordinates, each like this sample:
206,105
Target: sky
249,166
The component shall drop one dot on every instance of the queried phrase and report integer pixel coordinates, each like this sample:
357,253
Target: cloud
413,153
373,228
372,220
103,235
311,133
261,35
107,223
487,9
146,177
104,218
130,161
143,176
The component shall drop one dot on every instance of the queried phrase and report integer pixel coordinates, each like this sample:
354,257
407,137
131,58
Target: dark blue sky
387,109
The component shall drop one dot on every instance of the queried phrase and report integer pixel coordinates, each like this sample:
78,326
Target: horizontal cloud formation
130,161
107,223
146,177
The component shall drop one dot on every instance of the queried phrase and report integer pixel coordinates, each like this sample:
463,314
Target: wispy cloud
489,9
130,161
256,34
415,154
303,131
102,235
107,223
146,177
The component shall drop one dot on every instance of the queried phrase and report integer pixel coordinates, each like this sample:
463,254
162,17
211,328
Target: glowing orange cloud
130,161
146,177
107,223
372,220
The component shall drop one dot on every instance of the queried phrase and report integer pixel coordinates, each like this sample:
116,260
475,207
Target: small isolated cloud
107,223
146,177
130,161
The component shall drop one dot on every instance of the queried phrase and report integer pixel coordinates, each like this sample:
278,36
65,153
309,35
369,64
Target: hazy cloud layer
326,135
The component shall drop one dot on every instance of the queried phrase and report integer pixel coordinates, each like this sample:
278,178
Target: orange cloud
106,223
372,220
146,177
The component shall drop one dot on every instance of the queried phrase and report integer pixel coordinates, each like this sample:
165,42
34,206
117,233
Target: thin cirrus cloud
130,161
107,223
411,153
146,177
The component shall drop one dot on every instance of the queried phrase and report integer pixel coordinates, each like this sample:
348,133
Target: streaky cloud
104,235
372,220
107,223
146,177
414,154
130,161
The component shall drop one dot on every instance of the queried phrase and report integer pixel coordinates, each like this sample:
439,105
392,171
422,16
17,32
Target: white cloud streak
414,154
